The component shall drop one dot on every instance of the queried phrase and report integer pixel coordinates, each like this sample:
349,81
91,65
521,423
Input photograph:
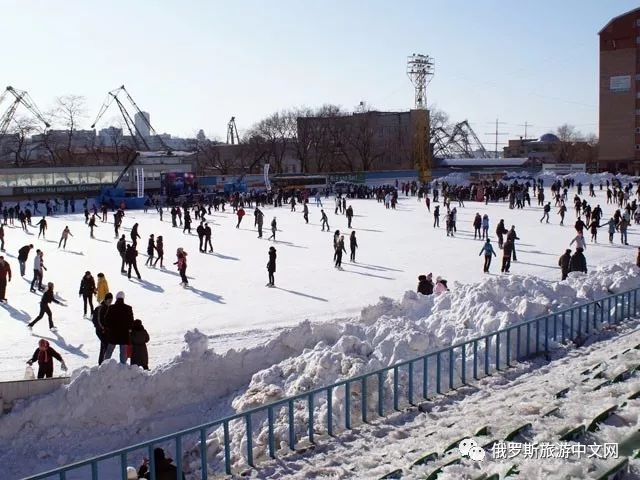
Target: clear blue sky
193,63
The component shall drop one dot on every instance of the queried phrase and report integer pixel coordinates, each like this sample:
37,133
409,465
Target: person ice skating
271,267
477,225
579,241
92,225
44,355
336,237
353,245
507,250
579,226
611,224
159,251
339,250
487,249
38,270
23,256
436,216
134,235
562,210
425,284
87,291
117,324
165,470
130,256
623,225
45,300
501,231
292,202
139,340
102,288
1,238
349,214
200,232
122,250
485,226
181,262
274,229
593,229
305,211
240,214
563,263
325,220
63,238
578,262
513,236
98,316
5,276
546,210
151,246
441,286
258,220
43,227
207,238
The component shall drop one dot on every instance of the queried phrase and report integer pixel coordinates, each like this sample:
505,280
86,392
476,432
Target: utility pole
526,125
497,133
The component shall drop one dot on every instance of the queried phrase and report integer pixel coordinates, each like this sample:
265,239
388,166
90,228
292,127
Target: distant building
142,121
550,149
619,146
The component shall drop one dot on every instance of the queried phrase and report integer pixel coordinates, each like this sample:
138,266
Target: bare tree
18,146
69,111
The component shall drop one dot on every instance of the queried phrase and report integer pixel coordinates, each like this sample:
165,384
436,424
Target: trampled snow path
502,403
228,300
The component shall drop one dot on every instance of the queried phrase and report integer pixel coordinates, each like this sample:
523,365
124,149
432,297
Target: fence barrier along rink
319,414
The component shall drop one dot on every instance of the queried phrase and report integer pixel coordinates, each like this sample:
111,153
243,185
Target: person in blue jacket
487,249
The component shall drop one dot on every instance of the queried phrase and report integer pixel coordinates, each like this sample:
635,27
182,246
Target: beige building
619,146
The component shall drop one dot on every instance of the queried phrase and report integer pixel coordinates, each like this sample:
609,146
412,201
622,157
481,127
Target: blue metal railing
394,386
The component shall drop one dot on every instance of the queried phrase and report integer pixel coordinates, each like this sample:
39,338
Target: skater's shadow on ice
149,286
520,262
207,295
375,267
290,244
17,314
369,274
171,272
52,241
72,252
303,294
224,257
61,342
537,252
103,241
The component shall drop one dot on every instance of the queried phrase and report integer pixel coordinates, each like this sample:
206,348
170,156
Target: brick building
619,147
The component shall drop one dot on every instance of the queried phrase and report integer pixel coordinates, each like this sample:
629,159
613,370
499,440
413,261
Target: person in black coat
425,284
564,262
122,250
23,255
339,250
45,300
87,291
44,355
134,235
353,245
131,255
271,267
164,469
97,318
151,246
139,340
578,262
160,250
117,325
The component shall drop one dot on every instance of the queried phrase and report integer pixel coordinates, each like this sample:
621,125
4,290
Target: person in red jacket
44,355
240,214
5,276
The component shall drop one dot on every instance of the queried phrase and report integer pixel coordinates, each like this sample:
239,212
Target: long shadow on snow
290,244
207,295
149,286
368,274
303,294
61,342
375,267
17,314
224,257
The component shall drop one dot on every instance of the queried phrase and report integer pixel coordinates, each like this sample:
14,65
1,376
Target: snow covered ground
231,306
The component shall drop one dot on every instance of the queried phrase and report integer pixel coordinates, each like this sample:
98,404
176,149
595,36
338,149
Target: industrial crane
20,97
136,135
232,132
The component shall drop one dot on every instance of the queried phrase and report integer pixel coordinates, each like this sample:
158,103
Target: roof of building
481,162
614,19
549,138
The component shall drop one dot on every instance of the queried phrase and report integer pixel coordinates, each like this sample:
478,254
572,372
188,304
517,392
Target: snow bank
546,176
392,331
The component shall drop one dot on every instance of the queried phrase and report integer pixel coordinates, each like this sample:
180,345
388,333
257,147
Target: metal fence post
508,347
330,411
272,440
410,392
438,390
518,342
292,427
363,397
179,454
227,448
310,404
528,338
487,342
247,419
123,464
396,393
475,360
546,334
451,360
463,366
203,454
425,376
380,394
347,400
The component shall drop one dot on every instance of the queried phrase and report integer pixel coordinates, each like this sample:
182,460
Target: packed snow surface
112,406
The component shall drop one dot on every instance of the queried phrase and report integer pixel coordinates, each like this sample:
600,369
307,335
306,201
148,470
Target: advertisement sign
82,188
178,183
620,83
357,177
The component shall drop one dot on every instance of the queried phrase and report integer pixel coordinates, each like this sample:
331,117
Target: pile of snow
456,178
547,177
392,331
